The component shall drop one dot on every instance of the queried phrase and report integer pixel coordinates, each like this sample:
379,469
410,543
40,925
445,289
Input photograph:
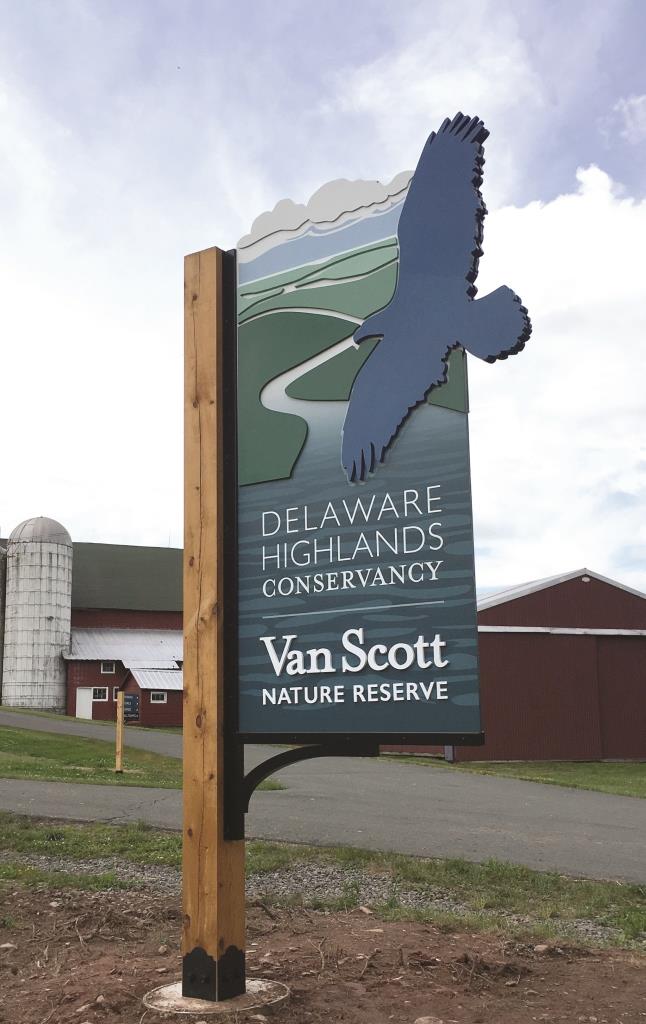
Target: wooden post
213,939
118,758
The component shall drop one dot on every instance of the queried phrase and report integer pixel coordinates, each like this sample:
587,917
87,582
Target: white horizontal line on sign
373,608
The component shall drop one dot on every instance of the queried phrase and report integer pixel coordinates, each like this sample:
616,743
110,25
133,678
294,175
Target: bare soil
84,957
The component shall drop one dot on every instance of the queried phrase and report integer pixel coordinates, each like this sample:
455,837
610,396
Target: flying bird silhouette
433,309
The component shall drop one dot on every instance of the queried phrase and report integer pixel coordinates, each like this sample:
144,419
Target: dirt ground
80,957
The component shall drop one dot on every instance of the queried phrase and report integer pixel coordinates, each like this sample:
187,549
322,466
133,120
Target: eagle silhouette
433,309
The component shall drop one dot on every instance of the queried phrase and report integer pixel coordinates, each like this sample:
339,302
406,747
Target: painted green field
285,320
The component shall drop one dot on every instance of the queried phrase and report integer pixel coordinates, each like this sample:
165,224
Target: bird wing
440,227
381,399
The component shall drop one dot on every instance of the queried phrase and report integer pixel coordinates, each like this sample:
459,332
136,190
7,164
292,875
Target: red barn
144,663
562,671
563,667
126,633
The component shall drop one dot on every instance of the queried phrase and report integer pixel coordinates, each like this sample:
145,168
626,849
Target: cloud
631,113
557,432
487,69
94,228
113,164
332,204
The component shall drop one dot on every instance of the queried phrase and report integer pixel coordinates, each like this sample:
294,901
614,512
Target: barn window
100,693
157,696
107,668
115,690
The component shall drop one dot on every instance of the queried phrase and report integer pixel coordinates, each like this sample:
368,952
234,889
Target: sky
132,133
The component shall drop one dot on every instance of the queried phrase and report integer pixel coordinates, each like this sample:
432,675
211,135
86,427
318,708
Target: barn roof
136,648
152,655
159,679
127,576
524,589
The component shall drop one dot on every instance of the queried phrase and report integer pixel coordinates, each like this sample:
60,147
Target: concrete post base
261,997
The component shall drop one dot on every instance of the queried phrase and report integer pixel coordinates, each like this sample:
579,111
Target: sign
356,584
131,707
329,596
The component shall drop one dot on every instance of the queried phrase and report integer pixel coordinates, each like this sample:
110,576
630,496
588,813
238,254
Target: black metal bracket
293,756
238,795
214,980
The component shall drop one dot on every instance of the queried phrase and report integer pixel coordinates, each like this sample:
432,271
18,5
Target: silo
3,585
38,614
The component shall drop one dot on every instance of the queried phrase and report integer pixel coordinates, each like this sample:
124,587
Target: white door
84,702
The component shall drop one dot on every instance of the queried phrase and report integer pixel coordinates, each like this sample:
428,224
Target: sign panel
131,707
356,588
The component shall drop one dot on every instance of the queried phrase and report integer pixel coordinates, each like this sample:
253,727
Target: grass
60,880
56,716
626,778
622,778
26,754
493,895
35,713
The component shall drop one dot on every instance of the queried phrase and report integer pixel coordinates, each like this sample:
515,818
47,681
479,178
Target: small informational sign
356,586
131,707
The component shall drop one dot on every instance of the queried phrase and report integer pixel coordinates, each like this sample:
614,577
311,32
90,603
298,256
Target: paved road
146,739
156,740
379,805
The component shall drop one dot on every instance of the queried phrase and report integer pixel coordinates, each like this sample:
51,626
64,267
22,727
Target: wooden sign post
118,758
213,868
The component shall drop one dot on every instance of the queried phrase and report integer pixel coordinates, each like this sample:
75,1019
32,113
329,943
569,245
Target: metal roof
513,593
139,647
42,529
158,679
133,663
127,576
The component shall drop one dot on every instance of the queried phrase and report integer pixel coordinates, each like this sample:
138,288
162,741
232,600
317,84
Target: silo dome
41,529
37,615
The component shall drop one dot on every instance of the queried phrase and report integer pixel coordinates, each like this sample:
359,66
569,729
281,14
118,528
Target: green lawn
26,754
625,778
56,717
492,895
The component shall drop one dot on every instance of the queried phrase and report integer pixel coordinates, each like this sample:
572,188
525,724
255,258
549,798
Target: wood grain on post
118,757
213,869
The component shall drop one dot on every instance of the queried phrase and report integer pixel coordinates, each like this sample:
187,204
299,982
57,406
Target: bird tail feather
498,326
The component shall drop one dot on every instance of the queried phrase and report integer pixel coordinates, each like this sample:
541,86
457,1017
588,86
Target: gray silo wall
3,585
37,624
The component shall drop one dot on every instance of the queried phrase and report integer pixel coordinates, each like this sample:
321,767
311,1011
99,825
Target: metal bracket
238,803
205,978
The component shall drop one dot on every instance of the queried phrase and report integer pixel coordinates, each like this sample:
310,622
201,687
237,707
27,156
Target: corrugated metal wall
564,697
117,618
595,605
549,696
540,698
622,695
